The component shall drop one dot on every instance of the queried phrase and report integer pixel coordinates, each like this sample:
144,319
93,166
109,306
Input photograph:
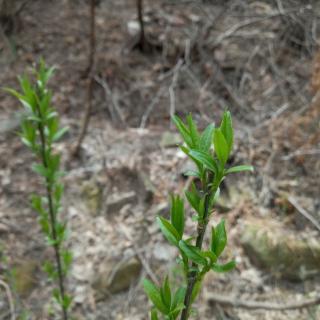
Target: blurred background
128,75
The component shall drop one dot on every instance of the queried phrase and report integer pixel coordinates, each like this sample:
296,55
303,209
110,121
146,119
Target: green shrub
209,151
39,130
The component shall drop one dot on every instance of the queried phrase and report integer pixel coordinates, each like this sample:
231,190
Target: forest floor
256,58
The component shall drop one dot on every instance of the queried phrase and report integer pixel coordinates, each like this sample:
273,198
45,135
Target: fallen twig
145,264
115,111
10,299
249,22
149,109
173,85
237,303
301,152
304,212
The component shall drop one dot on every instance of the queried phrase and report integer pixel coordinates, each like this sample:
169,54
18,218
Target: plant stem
56,246
192,277
89,74
141,23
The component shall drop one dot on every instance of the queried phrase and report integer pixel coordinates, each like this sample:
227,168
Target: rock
116,277
275,249
121,186
169,139
24,277
92,195
133,27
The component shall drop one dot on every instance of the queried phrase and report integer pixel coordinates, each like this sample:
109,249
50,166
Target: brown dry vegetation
258,58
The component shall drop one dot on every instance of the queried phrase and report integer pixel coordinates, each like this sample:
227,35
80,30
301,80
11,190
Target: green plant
209,151
40,129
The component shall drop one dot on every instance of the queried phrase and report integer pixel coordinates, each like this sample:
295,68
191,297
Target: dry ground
254,57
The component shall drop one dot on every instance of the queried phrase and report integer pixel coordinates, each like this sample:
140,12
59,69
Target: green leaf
27,104
66,301
192,173
26,86
26,142
154,315
40,169
223,267
195,218
177,214
56,294
54,162
193,253
44,73
239,169
227,129
67,259
193,197
214,197
49,268
50,115
178,297
169,231
60,232
34,118
205,159
52,126
198,163
206,138
220,146
184,132
209,254
196,290
37,205
218,238
166,293
58,192
176,310
194,134
202,207
154,295
59,134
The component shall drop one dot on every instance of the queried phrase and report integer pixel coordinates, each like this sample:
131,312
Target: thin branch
173,85
193,275
10,299
151,106
86,118
52,216
245,304
304,212
143,261
88,73
115,111
301,152
252,21
22,6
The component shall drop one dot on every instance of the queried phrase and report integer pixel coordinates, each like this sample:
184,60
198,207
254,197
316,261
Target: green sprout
209,151
39,130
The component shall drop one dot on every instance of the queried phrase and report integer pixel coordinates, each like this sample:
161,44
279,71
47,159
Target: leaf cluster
209,151
39,130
